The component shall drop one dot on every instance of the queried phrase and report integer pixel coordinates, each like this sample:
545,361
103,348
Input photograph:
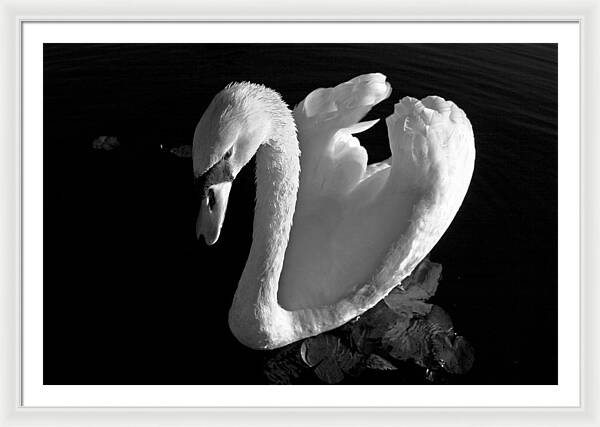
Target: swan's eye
228,153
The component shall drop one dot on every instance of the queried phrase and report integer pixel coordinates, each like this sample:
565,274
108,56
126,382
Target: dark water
130,297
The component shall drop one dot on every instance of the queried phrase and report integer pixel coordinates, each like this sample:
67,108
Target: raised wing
333,162
358,230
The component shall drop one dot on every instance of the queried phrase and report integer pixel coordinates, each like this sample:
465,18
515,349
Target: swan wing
333,161
359,230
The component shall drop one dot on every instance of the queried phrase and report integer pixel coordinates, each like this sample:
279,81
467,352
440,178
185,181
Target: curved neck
277,179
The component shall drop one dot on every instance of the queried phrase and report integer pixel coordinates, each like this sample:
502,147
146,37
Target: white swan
357,230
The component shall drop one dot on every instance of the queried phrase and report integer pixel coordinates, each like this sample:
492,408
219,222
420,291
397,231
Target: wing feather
333,161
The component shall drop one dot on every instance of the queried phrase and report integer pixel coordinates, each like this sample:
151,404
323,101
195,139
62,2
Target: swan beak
212,212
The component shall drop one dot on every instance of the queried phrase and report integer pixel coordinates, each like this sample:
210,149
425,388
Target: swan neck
277,178
277,175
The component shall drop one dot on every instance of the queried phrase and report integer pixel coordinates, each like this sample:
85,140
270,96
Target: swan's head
227,136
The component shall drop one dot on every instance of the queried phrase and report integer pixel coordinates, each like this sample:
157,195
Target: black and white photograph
300,213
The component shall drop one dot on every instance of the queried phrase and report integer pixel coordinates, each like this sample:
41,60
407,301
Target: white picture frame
13,14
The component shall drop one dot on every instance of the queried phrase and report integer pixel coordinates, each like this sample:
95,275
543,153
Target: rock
184,151
106,143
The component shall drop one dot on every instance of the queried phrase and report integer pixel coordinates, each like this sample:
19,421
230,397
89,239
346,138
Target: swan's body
332,236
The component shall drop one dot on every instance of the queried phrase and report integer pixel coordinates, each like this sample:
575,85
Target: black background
130,296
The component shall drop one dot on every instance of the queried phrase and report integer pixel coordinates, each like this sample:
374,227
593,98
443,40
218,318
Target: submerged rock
400,329
106,143
184,151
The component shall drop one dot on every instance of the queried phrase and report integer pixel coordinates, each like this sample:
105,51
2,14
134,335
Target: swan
331,235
